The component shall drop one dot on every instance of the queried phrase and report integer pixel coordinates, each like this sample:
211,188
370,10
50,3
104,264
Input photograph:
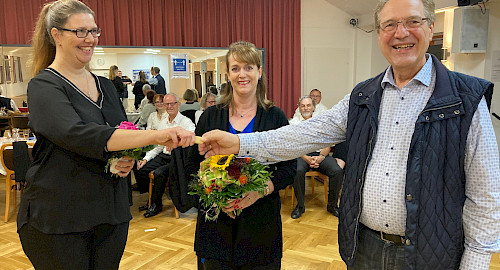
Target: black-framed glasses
159,102
409,23
83,33
171,104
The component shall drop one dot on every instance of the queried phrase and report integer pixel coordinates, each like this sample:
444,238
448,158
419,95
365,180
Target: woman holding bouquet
74,215
252,240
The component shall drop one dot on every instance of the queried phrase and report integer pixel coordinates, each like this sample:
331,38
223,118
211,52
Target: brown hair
204,99
53,15
244,51
112,73
142,77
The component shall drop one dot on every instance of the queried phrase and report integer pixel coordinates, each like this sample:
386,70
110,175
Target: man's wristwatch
267,190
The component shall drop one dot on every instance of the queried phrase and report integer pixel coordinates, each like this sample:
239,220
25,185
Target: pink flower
127,125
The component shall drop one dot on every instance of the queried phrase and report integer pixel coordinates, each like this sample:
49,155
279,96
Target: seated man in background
315,94
6,102
320,161
159,158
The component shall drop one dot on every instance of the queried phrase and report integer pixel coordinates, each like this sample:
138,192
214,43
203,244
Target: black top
5,102
255,236
67,189
120,87
139,94
160,87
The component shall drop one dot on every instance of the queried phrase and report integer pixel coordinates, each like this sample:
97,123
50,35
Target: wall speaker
470,30
203,67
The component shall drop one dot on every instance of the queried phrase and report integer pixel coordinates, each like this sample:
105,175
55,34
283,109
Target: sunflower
220,161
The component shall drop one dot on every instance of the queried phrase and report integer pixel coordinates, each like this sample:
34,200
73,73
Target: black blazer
255,236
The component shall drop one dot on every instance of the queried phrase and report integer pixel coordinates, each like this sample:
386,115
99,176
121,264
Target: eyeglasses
159,102
83,33
409,23
171,104
211,102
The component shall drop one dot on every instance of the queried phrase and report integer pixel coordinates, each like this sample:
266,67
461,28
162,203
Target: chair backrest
189,114
7,154
19,121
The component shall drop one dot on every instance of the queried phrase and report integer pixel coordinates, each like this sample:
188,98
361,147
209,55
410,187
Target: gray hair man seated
320,161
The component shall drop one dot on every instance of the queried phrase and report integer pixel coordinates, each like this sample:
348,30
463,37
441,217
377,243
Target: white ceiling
355,8
358,8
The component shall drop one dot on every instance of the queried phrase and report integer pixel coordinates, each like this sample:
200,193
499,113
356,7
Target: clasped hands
313,161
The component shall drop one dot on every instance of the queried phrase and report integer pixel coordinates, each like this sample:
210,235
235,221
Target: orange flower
243,179
208,190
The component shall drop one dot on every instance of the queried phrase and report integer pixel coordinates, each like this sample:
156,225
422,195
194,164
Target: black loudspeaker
467,2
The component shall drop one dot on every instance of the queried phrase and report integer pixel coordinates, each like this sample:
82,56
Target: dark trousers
99,248
328,167
213,264
142,175
376,254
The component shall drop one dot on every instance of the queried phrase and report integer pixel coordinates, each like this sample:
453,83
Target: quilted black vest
435,178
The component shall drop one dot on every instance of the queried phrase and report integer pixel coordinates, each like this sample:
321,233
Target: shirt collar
176,119
424,76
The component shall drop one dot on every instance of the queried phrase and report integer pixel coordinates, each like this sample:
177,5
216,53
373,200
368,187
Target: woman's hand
175,137
124,166
217,142
245,201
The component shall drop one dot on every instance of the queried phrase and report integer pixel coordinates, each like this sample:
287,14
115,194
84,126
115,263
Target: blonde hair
53,15
204,98
112,73
246,52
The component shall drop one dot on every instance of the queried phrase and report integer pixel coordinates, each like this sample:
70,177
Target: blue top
248,128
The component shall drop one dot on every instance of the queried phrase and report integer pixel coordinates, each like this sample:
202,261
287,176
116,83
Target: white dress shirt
179,121
154,122
320,108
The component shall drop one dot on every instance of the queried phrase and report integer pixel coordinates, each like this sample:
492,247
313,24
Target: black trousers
330,168
213,264
99,248
141,176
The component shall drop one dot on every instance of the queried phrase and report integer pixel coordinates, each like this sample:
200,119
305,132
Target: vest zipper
439,108
360,190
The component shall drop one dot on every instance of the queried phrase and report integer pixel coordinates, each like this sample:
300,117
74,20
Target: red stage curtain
270,24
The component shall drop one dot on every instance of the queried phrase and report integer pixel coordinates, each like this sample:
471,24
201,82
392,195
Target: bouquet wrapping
224,177
135,153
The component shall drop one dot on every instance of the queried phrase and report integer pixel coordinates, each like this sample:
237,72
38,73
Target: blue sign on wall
180,64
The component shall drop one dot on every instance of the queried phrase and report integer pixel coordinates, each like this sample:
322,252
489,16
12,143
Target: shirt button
248,152
387,225
384,200
409,197
387,173
397,123
441,115
402,98
392,148
408,242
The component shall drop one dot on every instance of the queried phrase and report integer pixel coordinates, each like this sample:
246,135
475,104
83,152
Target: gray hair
146,87
172,94
429,7
205,97
309,97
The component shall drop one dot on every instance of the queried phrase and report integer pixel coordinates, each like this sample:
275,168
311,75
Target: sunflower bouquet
224,177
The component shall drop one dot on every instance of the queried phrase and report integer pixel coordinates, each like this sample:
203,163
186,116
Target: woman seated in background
191,98
161,114
148,109
206,101
145,89
117,81
138,92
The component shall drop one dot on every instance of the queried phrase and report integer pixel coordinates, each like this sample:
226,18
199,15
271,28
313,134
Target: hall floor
164,242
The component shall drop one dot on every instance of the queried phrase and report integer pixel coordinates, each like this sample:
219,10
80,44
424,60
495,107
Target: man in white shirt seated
6,102
315,94
320,161
159,158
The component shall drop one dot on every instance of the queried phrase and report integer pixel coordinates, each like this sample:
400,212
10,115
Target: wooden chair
19,121
314,175
10,180
151,184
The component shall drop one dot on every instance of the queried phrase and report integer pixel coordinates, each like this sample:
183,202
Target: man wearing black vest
421,188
